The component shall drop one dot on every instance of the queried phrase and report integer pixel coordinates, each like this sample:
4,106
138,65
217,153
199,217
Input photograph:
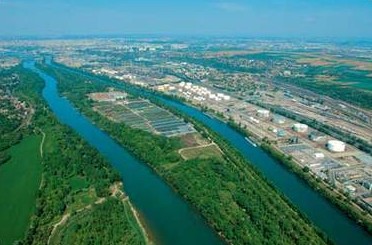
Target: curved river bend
321,212
170,219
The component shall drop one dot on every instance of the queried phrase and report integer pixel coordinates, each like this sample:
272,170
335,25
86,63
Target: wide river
169,218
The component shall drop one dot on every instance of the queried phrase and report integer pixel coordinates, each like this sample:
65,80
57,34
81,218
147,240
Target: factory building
350,189
252,119
316,136
278,119
318,155
336,146
300,128
281,133
263,113
367,184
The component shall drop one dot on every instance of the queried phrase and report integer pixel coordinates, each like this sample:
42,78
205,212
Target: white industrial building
263,113
336,146
300,127
318,155
252,119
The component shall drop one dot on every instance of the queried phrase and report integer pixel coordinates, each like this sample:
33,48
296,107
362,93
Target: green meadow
19,183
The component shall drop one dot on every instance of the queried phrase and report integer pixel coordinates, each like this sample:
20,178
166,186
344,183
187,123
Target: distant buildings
108,97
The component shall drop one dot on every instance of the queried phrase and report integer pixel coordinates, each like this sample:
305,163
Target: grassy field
19,182
200,152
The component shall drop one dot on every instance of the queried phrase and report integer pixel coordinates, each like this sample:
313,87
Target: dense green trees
4,157
90,226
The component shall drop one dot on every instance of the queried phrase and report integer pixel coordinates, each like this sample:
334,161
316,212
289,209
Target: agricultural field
19,183
341,71
142,114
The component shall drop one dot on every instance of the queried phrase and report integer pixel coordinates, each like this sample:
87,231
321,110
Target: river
170,219
320,211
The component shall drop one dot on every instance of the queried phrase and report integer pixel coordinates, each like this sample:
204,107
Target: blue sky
276,18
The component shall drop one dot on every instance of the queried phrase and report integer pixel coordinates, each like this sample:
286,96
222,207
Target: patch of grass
78,183
193,139
201,152
19,182
82,199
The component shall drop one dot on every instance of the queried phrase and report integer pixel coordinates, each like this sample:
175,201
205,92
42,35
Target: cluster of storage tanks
332,145
200,93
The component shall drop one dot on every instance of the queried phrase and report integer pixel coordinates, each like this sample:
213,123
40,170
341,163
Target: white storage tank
336,146
300,127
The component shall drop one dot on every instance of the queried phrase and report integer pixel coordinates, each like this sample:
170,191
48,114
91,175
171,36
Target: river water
321,212
170,219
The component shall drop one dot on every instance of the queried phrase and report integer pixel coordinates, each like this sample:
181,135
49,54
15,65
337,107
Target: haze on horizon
274,18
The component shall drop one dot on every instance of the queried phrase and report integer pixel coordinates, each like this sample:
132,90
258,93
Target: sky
251,18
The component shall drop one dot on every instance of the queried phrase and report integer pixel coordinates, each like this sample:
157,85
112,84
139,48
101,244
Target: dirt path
41,154
61,222
42,143
116,190
195,147
136,216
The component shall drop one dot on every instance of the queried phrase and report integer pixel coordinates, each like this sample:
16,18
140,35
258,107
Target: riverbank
73,176
229,181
